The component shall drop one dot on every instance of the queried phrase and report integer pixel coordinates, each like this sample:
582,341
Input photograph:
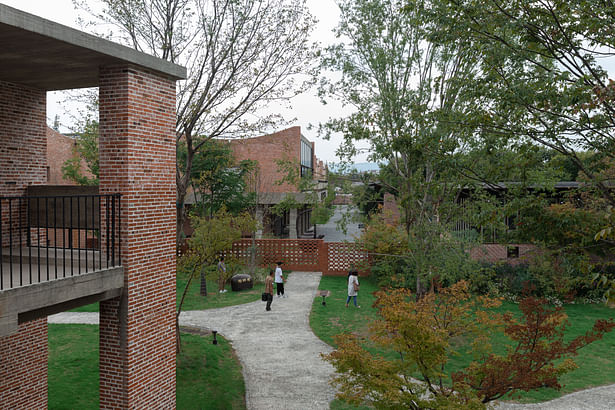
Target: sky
307,108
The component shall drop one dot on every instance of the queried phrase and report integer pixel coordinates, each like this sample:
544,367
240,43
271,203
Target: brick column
23,161
137,159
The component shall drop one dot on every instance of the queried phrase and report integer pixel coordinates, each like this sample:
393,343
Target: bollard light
215,341
323,300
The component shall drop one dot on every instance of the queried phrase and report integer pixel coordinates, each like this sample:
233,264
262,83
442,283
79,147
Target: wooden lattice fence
330,258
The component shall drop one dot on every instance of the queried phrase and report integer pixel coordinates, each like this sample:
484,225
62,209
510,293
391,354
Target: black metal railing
51,237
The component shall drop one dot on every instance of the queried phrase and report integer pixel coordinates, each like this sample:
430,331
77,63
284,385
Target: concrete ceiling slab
42,54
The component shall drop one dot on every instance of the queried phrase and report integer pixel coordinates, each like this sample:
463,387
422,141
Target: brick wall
59,149
22,145
495,252
137,159
23,367
23,356
266,149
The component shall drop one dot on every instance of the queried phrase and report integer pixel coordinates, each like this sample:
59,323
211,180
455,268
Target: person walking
279,281
269,289
353,287
221,275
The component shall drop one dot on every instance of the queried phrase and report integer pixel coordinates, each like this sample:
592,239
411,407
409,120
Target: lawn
596,361
194,301
208,376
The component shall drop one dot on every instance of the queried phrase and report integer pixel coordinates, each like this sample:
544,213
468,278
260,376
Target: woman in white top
353,287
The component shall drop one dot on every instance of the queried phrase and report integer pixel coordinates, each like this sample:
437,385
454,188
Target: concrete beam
42,54
33,301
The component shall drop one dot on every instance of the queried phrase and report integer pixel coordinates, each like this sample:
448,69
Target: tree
241,56
218,180
426,333
212,238
407,91
540,78
85,149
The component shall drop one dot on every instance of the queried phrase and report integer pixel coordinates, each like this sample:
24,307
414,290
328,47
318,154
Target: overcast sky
306,108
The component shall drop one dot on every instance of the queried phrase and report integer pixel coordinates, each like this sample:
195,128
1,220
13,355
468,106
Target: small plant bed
206,373
596,362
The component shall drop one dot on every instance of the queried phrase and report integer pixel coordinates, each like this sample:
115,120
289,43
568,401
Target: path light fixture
215,341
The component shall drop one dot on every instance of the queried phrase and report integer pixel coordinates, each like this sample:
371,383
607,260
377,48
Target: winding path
280,355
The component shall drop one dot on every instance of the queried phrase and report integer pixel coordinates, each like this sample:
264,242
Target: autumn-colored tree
533,361
428,332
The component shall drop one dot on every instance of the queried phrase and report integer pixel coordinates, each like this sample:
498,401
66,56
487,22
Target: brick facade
285,144
23,356
23,368
23,146
137,159
59,149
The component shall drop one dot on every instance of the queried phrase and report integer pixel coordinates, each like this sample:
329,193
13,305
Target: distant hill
359,167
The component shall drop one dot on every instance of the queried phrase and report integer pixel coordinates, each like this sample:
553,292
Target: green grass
73,367
194,301
208,376
596,361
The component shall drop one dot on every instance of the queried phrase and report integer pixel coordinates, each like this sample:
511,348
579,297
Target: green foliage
240,57
596,362
560,277
540,77
217,179
85,149
322,210
212,237
408,92
426,256
429,331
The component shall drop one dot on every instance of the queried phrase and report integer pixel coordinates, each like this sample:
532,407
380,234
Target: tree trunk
182,189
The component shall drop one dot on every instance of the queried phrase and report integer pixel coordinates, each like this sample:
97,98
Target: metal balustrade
52,237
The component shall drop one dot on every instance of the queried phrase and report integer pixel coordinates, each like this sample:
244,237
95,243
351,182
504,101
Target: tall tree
218,180
406,91
241,56
541,75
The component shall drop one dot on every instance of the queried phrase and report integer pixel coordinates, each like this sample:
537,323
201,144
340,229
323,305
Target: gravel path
598,398
280,355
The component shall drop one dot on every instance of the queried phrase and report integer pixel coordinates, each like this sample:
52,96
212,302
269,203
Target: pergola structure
137,103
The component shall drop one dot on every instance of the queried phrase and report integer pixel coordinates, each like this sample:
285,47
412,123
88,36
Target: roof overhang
42,54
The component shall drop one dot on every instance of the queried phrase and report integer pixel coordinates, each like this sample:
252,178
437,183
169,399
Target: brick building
286,145
132,273
60,148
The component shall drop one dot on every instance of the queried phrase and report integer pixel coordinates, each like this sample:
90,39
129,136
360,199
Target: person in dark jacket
269,289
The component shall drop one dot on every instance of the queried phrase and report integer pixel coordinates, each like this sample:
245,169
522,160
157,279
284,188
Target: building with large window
277,155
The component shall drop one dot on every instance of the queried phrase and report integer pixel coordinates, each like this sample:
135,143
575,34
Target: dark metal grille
51,237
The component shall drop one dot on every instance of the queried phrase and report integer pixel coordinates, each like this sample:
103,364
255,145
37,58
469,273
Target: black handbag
264,296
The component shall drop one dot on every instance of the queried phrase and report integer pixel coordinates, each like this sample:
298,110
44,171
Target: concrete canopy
42,54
